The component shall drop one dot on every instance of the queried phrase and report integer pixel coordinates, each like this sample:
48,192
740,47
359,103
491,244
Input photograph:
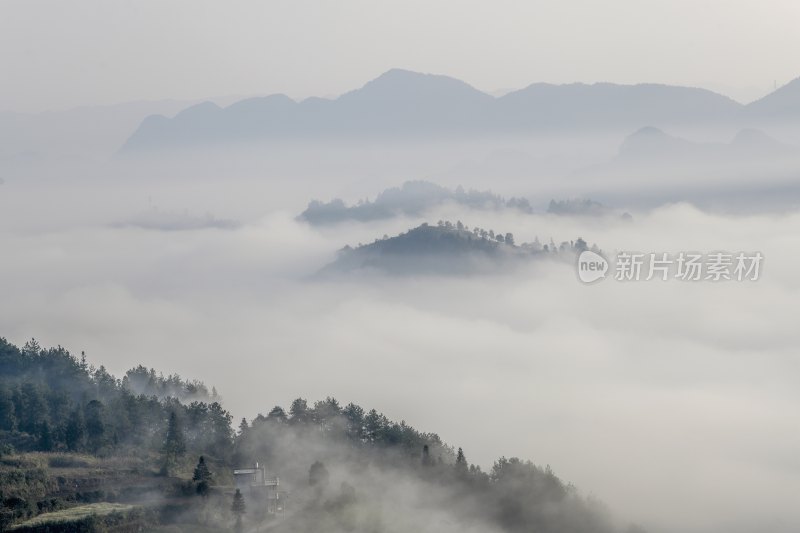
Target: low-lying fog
672,402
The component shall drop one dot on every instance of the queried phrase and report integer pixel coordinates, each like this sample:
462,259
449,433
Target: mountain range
750,153
401,103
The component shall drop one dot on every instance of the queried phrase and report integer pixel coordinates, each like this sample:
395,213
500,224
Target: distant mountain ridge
783,103
401,103
412,198
749,144
417,198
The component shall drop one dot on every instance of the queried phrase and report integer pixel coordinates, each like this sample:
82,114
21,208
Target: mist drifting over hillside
305,209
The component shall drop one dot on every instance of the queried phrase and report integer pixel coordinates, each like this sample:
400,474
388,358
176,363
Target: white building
258,487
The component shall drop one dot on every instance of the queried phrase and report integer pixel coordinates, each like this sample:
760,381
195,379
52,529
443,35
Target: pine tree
74,431
277,414
462,469
243,427
461,459
95,426
318,475
45,438
238,508
174,444
375,426
221,432
202,476
355,421
426,455
8,419
33,409
31,348
298,412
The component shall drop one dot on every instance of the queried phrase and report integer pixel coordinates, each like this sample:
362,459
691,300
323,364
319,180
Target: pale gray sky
56,54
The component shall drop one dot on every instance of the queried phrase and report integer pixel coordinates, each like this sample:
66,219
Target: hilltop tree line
480,234
53,401
415,198
306,440
412,198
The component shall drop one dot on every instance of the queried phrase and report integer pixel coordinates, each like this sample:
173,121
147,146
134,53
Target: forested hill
412,198
81,450
53,401
446,249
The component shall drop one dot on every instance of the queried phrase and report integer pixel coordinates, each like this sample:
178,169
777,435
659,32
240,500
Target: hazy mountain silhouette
707,173
751,141
86,131
396,103
750,172
161,220
579,207
650,142
404,101
400,103
546,106
653,144
782,104
412,198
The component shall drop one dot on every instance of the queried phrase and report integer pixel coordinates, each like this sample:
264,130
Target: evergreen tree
8,420
318,475
59,404
33,409
374,426
174,444
326,410
426,456
298,412
45,438
202,476
277,414
238,508
31,348
75,431
462,469
95,425
221,432
355,421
